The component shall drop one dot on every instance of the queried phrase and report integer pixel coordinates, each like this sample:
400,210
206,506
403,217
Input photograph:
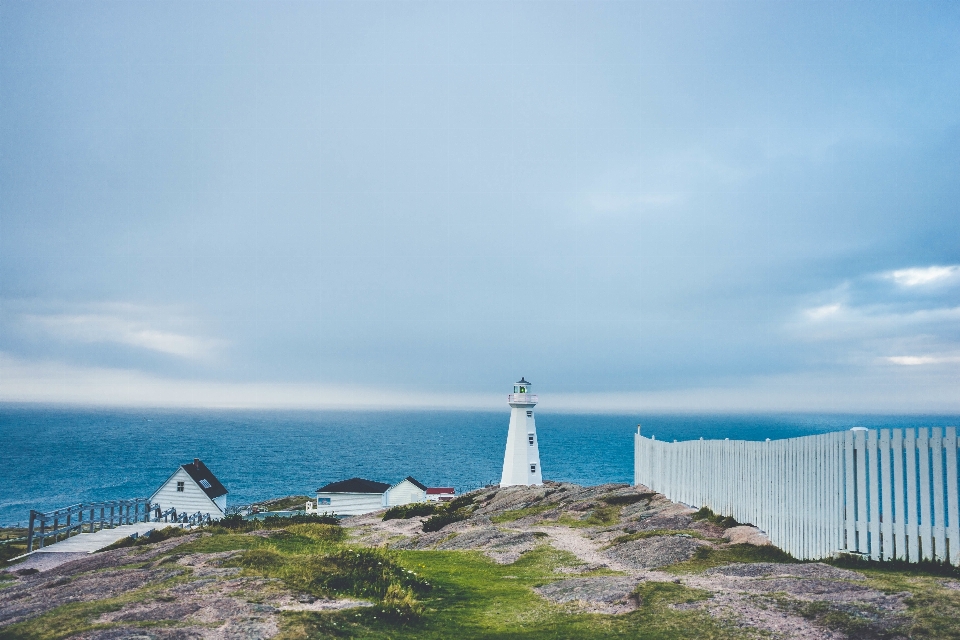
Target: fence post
33,515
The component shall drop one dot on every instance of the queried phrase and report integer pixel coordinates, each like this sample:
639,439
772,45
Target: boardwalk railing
887,494
171,515
81,517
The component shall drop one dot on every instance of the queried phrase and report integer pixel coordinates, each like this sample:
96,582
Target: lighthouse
521,462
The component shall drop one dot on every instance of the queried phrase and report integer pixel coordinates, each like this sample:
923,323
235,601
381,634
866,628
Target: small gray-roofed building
352,497
357,496
191,489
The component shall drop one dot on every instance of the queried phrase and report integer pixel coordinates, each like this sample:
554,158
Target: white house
406,491
351,497
357,496
192,488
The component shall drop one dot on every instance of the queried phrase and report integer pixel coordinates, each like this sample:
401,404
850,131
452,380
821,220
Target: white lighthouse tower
521,462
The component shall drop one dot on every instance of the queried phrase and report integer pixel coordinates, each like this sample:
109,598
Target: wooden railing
171,515
81,517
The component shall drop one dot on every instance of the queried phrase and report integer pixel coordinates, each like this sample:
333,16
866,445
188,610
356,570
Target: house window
205,483
533,468
180,486
530,439
529,414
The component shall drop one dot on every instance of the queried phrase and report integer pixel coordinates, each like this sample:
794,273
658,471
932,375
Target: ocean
52,457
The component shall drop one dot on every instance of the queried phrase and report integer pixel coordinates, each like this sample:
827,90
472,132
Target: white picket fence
887,493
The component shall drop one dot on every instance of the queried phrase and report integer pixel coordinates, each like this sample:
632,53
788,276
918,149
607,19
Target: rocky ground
633,534
620,537
215,601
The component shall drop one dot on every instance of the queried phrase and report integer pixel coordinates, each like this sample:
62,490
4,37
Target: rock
604,594
768,569
658,551
746,534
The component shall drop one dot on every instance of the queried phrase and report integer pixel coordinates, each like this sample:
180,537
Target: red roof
435,490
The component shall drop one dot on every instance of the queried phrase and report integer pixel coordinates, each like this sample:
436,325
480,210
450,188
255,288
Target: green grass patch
599,517
157,535
707,557
653,593
239,524
516,514
62,622
708,515
922,568
473,597
653,533
77,617
933,607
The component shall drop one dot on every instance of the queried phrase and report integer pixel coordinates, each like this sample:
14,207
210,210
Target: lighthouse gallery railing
888,493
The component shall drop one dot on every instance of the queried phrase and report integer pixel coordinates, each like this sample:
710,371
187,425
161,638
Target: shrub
924,567
439,521
724,522
462,502
362,573
279,522
406,511
319,532
399,603
157,535
237,523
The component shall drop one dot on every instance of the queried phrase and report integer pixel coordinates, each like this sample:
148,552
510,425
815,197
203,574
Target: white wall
350,504
405,493
191,500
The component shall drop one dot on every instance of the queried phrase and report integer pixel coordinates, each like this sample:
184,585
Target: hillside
555,561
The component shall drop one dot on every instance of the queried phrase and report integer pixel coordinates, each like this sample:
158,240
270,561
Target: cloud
125,324
823,312
883,390
912,361
922,276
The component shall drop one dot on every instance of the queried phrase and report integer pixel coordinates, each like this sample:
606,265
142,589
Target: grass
599,517
708,515
473,597
922,568
284,504
157,535
934,608
653,533
465,595
706,557
78,617
855,622
239,524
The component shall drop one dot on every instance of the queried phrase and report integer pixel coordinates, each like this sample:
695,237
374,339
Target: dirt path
567,539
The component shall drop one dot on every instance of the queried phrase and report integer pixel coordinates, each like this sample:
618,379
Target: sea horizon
59,455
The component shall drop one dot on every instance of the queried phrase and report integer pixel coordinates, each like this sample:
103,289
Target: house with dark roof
191,489
406,491
357,496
